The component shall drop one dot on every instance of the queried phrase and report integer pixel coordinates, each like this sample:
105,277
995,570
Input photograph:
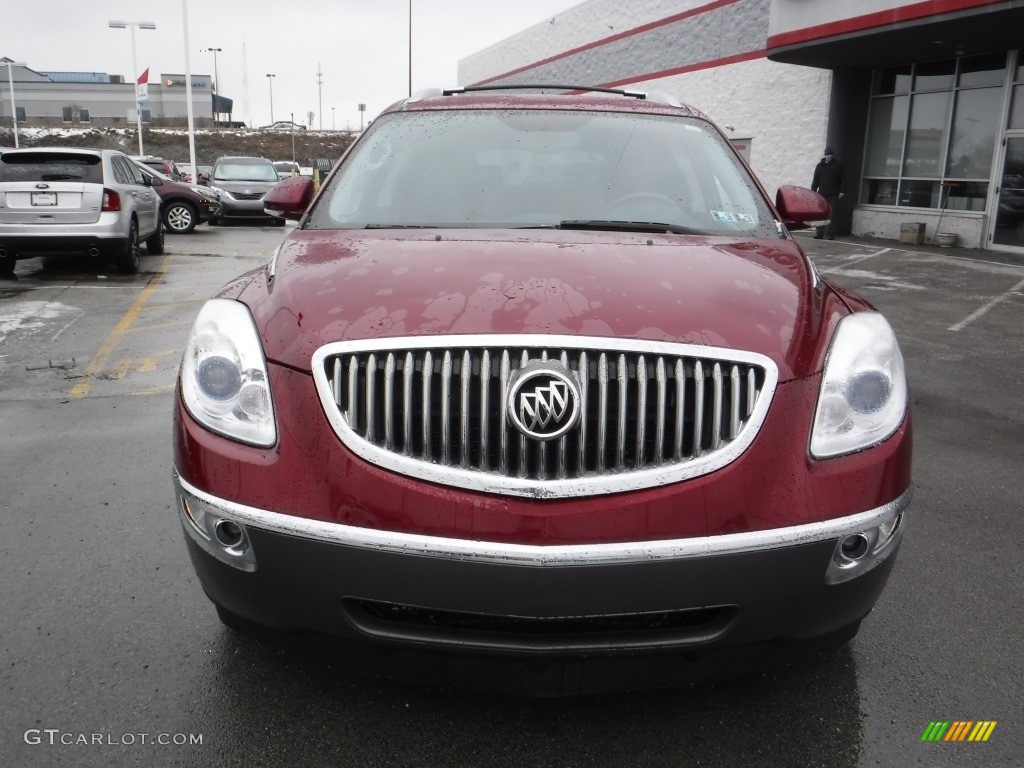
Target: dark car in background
182,206
241,183
167,167
545,379
65,199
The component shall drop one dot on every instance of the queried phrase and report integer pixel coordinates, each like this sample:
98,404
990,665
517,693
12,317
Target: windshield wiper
628,226
60,176
403,226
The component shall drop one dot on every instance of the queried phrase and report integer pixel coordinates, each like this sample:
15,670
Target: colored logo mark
958,730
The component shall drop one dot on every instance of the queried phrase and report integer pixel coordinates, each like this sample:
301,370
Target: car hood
758,296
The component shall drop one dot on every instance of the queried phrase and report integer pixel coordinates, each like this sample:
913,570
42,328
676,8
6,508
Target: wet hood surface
752,295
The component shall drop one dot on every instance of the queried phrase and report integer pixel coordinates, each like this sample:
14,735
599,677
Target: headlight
224,376
863,395
222,192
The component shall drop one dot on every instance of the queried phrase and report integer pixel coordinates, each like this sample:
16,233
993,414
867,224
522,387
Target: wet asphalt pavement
111,655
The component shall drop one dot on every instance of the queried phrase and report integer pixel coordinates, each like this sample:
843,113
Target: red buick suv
544,375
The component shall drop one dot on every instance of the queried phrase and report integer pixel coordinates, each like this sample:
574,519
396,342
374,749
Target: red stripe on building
700,65
614,38
905,13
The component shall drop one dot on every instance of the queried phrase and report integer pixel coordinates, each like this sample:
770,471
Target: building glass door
1008,218
1008,229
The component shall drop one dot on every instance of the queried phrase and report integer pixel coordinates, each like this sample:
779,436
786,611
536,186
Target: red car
544,375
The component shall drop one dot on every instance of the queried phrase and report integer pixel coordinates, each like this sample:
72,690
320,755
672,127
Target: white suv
95,201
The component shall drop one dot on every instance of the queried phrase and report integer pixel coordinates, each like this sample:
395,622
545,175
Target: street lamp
410,48
216,83
132,25
14,109
270,82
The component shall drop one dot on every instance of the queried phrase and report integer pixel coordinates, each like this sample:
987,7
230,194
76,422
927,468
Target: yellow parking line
81,389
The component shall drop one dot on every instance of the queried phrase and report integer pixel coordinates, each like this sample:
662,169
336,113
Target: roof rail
536,87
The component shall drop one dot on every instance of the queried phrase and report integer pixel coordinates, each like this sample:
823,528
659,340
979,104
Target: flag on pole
142,88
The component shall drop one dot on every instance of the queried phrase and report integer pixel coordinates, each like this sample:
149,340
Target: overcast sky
361,46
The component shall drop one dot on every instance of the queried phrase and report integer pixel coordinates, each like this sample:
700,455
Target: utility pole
271,82
320,96
216,84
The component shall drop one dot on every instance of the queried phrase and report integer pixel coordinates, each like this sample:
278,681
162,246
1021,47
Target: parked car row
99,202
104,203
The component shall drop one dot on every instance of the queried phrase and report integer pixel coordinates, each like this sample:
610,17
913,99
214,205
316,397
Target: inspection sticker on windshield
723,216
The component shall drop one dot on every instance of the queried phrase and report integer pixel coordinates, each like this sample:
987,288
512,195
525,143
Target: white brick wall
781,107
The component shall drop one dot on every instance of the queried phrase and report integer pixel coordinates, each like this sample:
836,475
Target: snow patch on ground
25,316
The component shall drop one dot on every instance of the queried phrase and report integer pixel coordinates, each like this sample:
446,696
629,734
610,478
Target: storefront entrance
1008,223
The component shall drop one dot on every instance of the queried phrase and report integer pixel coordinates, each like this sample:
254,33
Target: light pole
132,25
270,82
14,109
332,118
216,83
410,47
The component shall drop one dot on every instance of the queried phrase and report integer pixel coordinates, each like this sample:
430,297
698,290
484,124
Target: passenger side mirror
289,198
800,207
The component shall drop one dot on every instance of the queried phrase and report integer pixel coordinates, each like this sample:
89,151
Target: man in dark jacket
829,182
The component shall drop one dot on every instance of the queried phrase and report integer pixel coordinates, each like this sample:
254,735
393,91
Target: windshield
243,171
532,168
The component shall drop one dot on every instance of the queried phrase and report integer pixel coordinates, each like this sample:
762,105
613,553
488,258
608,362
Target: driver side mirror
800,207
289,198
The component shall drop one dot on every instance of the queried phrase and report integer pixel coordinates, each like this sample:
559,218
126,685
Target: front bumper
242,209
730,590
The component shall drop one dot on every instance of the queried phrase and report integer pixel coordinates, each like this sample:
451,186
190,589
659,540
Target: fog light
228,533
854,547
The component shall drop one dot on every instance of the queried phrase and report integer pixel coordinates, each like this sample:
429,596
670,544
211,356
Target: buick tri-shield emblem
543,400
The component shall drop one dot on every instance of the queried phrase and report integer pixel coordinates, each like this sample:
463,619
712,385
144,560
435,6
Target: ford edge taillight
111,201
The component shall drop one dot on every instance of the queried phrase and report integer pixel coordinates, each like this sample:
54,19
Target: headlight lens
222,192
224,377
863,395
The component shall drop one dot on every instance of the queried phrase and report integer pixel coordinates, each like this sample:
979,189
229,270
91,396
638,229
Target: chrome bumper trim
532,555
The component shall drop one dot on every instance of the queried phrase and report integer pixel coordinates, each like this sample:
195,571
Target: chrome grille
248,195
651,412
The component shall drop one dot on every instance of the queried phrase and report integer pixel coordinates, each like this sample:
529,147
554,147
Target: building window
68,114
83,115
19,114
932,133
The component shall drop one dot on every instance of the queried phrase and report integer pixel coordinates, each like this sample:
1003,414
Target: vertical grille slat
522,468
602,411
583,371
620,442
407,377
353,382
485,423
734,402
716,407
698,409
680,412
504,373
428,375
389,401
464,381
641,412
371,396
659,411
448,407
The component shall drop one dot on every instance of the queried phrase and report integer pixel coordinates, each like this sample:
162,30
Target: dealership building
90,99
922,102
